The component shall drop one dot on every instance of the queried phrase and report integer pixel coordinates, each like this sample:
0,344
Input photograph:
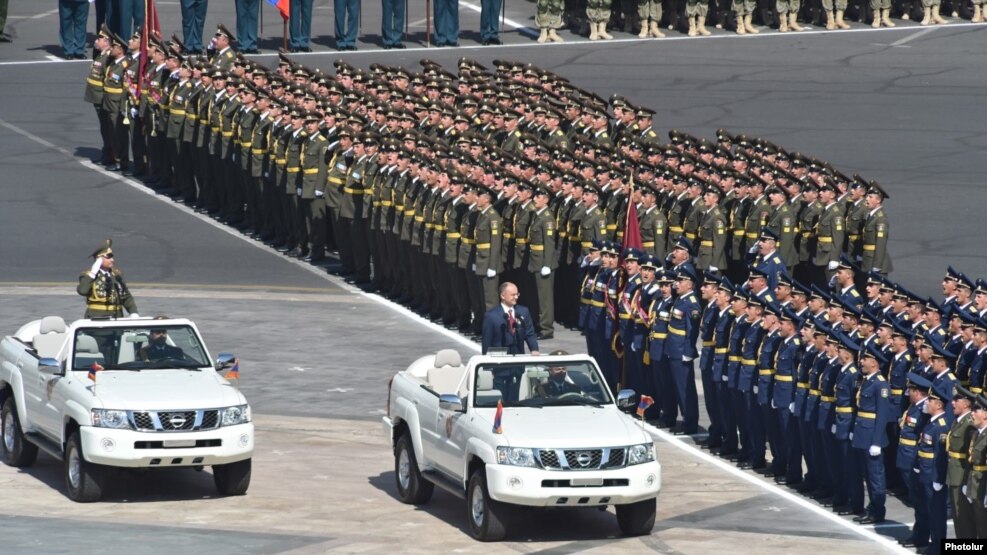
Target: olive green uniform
958,445
106,295
540,243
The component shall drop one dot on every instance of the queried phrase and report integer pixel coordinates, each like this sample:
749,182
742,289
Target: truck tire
637,519
83,479
15,450
413,489
486,516
232,478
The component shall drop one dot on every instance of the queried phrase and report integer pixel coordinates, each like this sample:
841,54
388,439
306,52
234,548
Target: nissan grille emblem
177,421
584,458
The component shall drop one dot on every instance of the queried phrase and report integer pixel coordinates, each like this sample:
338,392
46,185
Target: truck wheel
413,489
16,450
232,478
637,519
486,516
83,479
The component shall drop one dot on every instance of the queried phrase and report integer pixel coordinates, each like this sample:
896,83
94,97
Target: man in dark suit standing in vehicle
508,325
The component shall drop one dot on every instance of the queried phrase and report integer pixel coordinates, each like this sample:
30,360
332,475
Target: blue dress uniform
347,23
932,459
746,381
977,371
300,24
633,375
392,22
788,465
610,344
247,12
586,294
801,415
869,431
726,438
489,24
707,327
593,327
125,16
660,316
446,14
763,428
771,265
640,346
911,424
193,22
829,368
850,487
73,16
680,351
738,333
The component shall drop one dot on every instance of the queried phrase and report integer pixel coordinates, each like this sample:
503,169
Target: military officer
247,12
959,442
222,41
932,462
104,288
542,262
976,483
485,259
870,432
874,235
311,197
94,94
680,348
712,238
114,103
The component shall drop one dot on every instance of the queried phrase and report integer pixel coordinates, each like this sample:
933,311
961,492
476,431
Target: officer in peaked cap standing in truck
104,288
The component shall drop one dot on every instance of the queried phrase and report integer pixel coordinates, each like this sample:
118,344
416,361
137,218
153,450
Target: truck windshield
539,385
138,348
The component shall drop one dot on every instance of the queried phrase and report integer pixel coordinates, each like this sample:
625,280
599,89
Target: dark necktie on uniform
510,320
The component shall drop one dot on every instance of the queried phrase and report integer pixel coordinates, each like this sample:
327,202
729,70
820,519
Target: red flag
642,405
95,367
283,6
498,416
151,24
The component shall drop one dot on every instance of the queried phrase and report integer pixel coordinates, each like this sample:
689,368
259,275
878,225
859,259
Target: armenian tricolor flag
643,404
92,371
234,373
283,6
498,416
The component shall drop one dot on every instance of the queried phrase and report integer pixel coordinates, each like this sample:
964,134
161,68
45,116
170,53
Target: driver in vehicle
557,385
158,348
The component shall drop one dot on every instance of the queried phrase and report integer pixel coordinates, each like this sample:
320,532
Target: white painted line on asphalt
679,443
570,41
910,38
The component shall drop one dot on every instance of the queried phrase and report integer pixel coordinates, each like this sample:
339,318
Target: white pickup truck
136,393
562,439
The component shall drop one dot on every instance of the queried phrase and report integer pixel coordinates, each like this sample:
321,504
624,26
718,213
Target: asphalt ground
903,106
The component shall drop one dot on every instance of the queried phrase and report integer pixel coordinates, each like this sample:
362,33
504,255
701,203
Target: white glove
714,269
878,270
298,191
963,491
755,389
851,436
791,406
726,378
985,501
545,271
833,265
686,359
936,486
753,249
874,450
134,315
773,405
133,112
319,194
491,273
474,267
95,267
917,471
267,174
832,429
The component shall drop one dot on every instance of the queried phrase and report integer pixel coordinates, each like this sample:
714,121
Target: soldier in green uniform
782,221
829,236
541,237
976,484
225,55
486,263
856,212
311,198
104,288
113,103
548,18
94,93
654,228
959,442
712,234
807,238
874,233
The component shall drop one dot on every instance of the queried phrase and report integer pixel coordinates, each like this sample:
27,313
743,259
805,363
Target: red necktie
510,319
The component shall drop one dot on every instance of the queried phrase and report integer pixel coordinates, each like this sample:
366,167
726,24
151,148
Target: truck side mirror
225,361
49,366
625,400
451,403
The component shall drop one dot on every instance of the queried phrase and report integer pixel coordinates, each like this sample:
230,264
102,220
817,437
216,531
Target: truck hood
164,390
567,427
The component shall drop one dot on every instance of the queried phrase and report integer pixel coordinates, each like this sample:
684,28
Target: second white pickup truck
560,440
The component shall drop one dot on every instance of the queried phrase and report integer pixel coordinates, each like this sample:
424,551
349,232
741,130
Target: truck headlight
515,456
239,414
107,418
639,454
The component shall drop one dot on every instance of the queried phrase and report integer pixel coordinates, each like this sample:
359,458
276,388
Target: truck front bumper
132,449
552,488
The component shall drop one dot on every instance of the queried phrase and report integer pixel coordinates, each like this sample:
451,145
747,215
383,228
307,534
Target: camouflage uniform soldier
930,9
649,11
882,13
788,12
697,10
548,18
836,20
978,12
745,11
598,13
